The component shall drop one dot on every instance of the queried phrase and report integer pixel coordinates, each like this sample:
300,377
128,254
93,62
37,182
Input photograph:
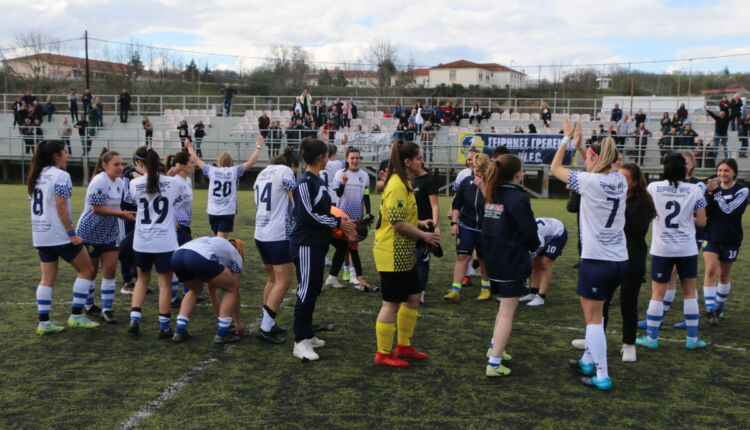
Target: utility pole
86,41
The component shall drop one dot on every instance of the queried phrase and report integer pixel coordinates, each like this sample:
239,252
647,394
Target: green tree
340,80
325,79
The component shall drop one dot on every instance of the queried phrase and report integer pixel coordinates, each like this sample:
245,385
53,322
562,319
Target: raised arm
556,168
193,155
254,158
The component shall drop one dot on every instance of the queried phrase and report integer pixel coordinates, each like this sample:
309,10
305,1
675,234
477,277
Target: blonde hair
689,156
225,160
607,155
481,162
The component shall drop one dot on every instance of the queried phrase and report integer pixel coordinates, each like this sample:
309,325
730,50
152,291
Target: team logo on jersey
400,203
99,190
361,180
471,141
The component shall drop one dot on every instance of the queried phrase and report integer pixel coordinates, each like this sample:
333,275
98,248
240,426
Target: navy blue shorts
555,247
67,252
188,265
598,279
726,254
661,267
700,245
274,253
509,289
469,240
146,260
221,223
184,235
96,250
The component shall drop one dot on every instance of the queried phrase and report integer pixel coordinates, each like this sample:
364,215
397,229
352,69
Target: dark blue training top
509,232
725,209
312,221
469,200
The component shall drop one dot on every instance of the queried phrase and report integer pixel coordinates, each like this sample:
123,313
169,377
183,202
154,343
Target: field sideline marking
455,317
181,383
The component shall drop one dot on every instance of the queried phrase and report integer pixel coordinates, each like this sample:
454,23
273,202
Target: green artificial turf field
104,378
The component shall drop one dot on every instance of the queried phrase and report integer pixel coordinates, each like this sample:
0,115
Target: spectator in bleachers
602,133
184,132
263,125
720,129
328,131
319,114
477,128
427,136
64,132
49,109
532,129
307,120
410,133
27,131
700,154
17,104
306,101
73,105
83,128
375,129
397,111
404,118
37,112
687,136
623,130
681,113
611,131
93,114
616,114
417,119
475,114
335,117
148,129
400,131
744,132
339,104
735,111
358,128
275,135
640,117
665,143
28,98
228,92
458,113
545,115
86,100
124,100
447,113
354,109
298,109
436,117
346,114
99,112
724,105
665,123
677,122
199,132
518,130
641,142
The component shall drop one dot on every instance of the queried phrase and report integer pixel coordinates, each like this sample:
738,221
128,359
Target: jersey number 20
222,189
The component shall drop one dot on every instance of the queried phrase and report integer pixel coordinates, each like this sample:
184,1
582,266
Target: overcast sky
528,33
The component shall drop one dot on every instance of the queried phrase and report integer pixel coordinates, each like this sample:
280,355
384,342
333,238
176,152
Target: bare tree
30,63
383,54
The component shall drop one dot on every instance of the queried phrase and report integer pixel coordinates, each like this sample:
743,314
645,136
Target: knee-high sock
108,293
407,320
596,345
722,293
80,293
709,298
668,299
654,316
90,297
385,333
691,318
43,301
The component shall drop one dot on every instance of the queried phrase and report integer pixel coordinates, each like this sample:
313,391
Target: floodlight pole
86,42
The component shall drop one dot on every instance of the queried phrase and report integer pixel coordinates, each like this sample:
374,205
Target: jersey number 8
38,206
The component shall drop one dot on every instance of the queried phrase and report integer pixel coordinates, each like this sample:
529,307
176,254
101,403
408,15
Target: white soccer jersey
673,231
460,177
46,227
97,229
549,228
329,173
155,230
218,250
356,187
602,214
222,189
183,211
272,201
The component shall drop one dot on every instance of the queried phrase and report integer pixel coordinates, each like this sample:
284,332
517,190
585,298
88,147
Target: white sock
468,269
691,318
80,292
654,316
722,293
668,299
107,290
596,345
709,298
268,322
43,300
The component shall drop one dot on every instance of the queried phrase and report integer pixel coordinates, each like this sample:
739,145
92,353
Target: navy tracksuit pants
310,264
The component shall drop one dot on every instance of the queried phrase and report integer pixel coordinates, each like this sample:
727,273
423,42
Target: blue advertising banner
531,148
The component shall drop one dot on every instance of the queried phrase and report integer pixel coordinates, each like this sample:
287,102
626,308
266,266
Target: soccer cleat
227,338
452,296
578,343
410,352
496,371
134,327
719,314
333,282
643,324
628,353
648,343
711,317
269,337
304,351
345,275
484,294
466,282
506,356
604,384
50,328
695,344
389,360
538,301
81,321
94,310
277,329
107,317
166,334
317,343
127,288
580,366
682,325
527,297
181,337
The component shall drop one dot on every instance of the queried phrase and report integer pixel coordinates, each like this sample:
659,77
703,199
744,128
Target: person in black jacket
509,233
27,131
616,114
640,117
124,100
184,132
720,130
199,131
735,111
49,109
126,256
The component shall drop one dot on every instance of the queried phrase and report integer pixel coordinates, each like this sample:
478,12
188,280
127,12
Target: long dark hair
501,171
674,168
152,171
140,154
287,158
401,150
731,163
104,157
349,150
311,149
44,156
639,187
181,157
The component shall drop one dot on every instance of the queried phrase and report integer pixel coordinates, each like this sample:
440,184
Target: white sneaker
538,301
527,297
317,343
628,352
304,351
332,281
353,280
579,343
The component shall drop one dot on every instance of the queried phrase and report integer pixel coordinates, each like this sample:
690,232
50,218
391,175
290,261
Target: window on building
452,75
481,75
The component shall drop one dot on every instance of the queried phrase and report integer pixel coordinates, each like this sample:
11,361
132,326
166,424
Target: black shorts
509,289
396,287
67,252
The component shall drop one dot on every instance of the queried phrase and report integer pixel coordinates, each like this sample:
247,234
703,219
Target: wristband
71,233
453,223
258,147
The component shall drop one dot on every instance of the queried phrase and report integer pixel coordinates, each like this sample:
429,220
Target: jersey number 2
675,207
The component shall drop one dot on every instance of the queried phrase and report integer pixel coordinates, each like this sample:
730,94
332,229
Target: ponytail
152,172
607,153
44,156
502,171
140,155
401,150
104,157
225,160
287,158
